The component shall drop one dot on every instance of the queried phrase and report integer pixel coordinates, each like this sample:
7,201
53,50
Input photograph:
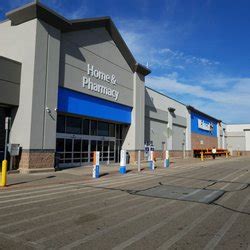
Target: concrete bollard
166,160
151,160
96,165
4,174
123,169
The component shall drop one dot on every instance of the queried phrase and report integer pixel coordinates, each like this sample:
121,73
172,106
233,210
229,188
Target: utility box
14,149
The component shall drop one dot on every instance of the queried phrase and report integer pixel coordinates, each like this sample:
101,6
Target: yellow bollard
226,154
202,156
4,174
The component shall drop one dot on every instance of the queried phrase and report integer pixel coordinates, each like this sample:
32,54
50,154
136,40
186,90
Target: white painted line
91,189
29,244
44,215
74,189
36,192
106,230
61,202
220,234
150,230
73,229
63,220
187,229
6,192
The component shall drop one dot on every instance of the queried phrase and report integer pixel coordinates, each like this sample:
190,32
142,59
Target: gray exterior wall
94,47
21,50
162,125
236,141
238,137
178,137
10,74
135,136
46,78
36,45
152,129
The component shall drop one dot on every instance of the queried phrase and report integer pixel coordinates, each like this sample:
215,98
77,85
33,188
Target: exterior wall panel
95,47
178,137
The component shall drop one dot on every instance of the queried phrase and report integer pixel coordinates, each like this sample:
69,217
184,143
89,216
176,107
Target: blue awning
70,101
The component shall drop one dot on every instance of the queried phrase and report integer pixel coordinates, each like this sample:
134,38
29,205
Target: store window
112,130
73,125
103,129
93,127
60,124
85,126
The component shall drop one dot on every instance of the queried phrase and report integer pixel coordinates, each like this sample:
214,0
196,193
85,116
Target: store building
73,87
238,139
167,124
204,129
77,86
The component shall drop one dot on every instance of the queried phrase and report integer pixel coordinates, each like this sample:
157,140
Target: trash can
127,158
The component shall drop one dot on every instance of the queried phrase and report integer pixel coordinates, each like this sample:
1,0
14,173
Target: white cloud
231,105
192,79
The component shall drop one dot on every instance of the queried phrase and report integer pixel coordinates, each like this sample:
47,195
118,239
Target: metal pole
139,160
6,136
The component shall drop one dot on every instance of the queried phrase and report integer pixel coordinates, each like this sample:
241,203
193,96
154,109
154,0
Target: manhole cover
183,193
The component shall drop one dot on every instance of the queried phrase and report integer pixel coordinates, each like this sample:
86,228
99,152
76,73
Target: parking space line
219,235
108,229
73,189
150,230
196,222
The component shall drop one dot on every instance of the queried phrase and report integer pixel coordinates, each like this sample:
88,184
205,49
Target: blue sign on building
203,125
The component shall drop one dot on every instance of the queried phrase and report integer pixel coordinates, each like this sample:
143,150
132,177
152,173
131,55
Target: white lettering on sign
87,83
91,71
208,126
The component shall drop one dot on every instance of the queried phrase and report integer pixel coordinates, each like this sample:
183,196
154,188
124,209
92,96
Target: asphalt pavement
174,208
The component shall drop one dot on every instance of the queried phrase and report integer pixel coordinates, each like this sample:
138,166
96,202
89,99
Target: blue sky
198,51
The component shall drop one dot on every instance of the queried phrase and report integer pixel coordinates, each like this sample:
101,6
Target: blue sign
200,124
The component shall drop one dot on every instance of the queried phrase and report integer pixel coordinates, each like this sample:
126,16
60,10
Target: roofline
239,123
10,60
158,92
191,108
38,10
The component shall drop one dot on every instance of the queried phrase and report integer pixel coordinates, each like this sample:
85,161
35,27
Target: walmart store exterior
73,87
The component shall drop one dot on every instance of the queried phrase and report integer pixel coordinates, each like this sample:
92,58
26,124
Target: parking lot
188,206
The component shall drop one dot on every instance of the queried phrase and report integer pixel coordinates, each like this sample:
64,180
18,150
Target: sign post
96,164
4,163
123,162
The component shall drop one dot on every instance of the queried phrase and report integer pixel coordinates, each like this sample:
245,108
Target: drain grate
183,193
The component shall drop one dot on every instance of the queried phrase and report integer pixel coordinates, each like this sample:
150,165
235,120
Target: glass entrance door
75,151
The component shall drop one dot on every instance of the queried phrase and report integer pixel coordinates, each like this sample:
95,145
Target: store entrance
76,151
78,138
